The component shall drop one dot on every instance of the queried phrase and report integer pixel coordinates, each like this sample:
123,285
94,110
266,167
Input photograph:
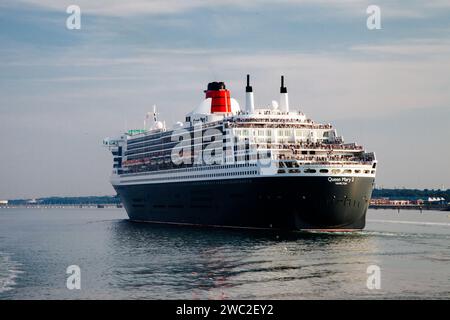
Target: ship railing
317,145
294,156
165,168
277,124
321,159
270,112
369,156
327,163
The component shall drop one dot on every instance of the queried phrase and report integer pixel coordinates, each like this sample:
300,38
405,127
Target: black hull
287,203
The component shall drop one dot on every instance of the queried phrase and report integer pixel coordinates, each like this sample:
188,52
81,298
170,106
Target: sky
62,91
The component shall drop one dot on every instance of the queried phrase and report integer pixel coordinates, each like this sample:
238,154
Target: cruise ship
243,167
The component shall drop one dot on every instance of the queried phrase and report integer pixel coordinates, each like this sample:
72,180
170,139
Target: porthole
323,170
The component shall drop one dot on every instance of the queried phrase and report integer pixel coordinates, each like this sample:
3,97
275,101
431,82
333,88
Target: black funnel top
215,86
283,89
248,88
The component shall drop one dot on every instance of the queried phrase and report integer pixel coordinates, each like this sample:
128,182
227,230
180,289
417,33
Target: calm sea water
124,260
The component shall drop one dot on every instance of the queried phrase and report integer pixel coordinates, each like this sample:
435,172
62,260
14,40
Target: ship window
347,171
373,171
357,171
310,170
335,171
323,170
366,171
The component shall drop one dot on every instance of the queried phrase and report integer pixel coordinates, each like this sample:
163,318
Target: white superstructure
219,140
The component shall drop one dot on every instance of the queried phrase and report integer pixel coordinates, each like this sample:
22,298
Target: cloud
124,8
326,85
414,48
166,7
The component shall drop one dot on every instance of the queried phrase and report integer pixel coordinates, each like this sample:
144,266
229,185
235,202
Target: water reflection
157,261
121,260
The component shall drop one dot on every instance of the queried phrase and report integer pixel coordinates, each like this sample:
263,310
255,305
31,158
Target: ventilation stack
284,99
249,98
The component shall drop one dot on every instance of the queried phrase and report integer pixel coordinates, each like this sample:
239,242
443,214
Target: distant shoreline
394,199
410,207
65,206
115,206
